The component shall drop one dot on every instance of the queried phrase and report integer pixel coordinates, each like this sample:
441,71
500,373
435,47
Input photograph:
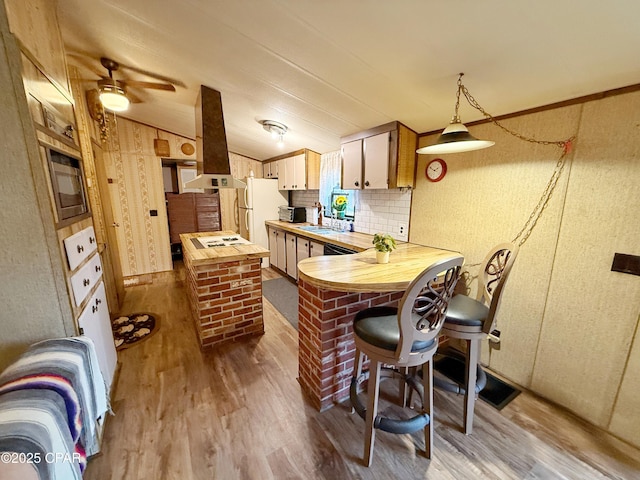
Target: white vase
382,257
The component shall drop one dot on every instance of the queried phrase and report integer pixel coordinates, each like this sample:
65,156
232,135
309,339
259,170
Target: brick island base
326,346
225,300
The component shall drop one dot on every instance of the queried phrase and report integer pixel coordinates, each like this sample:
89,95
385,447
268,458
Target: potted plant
383,243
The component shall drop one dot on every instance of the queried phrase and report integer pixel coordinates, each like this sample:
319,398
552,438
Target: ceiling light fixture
112,95
456,137
276,129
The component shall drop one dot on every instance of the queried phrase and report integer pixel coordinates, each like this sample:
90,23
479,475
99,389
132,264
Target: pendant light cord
565,145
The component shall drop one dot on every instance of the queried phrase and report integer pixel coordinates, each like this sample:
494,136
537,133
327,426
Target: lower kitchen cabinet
292,263
95,323
315,248
281,248
287,249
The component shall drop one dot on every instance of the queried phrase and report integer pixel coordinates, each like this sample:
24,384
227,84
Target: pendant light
455,138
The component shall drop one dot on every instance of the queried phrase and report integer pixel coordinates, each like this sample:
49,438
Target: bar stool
403,337
473,320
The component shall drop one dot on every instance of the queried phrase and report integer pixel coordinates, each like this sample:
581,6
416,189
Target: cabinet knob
366,183
98,268
98,301
94,309
356,183
91,239
80,249
86,282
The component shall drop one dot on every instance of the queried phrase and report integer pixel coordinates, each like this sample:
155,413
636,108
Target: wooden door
114,282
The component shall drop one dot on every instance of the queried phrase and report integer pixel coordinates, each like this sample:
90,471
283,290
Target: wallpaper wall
569,325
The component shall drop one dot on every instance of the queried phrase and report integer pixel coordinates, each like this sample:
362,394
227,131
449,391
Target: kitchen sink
317,229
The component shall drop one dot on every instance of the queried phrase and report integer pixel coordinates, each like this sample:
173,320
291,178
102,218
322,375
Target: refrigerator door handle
246,198
246,222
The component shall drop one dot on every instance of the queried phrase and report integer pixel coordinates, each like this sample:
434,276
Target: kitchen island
331,289
224,284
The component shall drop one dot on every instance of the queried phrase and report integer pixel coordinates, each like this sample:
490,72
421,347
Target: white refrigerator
258,202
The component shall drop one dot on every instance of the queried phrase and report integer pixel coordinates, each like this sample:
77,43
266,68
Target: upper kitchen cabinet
270,169
299,170
379,158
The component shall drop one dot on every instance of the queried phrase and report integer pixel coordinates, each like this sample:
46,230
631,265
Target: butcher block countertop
205,256
361,273
356,241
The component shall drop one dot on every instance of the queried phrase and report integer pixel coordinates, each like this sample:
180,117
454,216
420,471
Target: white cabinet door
299,163
376,161
352,165
83,281
302,248
95,323
273,246
315,248
292,263
266,170
281,261
80,246
283,179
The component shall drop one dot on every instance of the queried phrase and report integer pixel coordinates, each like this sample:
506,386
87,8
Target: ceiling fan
115,94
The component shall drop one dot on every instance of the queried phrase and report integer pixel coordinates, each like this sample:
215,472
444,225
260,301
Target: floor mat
283,295
496,393
131,329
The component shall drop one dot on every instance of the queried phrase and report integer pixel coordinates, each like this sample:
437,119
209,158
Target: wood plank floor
239,413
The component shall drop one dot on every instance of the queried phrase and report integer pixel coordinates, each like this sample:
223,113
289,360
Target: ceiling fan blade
133,98
87,64
155,86
154,75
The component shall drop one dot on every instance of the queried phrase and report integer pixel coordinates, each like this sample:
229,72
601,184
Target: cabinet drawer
83,281
80,246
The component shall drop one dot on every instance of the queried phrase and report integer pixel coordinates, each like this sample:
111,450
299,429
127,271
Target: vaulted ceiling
330,68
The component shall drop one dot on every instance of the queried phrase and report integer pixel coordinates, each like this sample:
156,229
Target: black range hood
211,144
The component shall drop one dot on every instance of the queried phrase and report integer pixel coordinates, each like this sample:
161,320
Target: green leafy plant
384,242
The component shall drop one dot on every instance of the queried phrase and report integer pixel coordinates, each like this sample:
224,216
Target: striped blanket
66,368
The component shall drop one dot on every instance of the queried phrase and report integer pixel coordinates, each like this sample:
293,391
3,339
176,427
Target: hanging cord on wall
565,145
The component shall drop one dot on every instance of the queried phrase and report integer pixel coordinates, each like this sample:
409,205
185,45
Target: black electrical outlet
153,213
626,263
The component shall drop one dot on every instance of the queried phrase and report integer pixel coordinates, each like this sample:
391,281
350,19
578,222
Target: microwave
67,184
292,214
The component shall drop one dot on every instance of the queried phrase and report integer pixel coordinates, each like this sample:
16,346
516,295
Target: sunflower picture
339,204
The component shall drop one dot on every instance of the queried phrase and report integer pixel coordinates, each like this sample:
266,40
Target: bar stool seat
402,338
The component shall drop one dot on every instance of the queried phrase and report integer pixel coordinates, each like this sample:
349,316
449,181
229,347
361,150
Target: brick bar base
225,300
327,350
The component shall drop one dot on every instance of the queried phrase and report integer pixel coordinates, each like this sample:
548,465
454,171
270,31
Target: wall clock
436,170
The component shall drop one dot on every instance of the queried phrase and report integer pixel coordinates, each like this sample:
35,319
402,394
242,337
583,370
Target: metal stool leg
473,352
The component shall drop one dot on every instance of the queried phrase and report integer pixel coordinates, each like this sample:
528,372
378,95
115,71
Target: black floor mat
496,393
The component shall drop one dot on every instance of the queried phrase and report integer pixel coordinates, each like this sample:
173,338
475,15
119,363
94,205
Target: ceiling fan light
456,139
113,98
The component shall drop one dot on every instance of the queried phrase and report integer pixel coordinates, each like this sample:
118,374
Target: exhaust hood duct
211,144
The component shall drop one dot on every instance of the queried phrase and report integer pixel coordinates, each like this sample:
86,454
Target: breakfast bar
331,289
224,285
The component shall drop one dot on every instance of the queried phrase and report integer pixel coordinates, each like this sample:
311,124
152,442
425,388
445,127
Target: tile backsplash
376,210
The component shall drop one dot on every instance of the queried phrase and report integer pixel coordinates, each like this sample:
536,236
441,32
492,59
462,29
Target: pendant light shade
112,95
455,139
